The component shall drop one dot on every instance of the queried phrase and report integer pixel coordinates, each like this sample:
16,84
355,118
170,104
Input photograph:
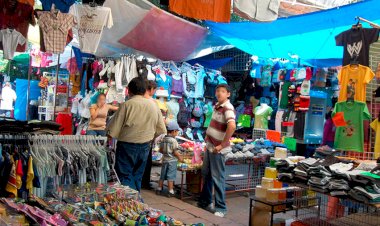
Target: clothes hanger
358,25
354,60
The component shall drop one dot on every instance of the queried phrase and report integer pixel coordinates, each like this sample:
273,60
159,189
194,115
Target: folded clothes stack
246,150
335,176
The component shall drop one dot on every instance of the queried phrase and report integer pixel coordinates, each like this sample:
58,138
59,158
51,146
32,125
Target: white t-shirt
11,38
90,22
8,95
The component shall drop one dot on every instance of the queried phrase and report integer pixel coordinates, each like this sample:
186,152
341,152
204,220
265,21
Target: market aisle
187,213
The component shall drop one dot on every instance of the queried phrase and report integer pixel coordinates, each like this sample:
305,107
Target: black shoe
158,192
171,195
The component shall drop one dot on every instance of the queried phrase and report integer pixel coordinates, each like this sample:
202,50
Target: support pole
56,86
28,92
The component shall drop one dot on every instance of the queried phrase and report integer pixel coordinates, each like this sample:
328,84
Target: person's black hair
227,87
150,84
328,115
137,86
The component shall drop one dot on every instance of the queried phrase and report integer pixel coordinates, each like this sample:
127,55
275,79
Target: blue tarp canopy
310,36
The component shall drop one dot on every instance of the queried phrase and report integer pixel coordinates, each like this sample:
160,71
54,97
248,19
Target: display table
192,179
282,207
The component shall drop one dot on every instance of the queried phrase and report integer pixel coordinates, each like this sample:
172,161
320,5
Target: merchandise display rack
371,88
283,207
348,212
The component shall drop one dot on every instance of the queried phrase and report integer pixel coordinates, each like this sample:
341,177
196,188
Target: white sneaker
239,155
249,154
219,214
229,156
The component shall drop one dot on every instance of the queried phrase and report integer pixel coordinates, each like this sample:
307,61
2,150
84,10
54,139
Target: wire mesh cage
245,175
262,133
334,211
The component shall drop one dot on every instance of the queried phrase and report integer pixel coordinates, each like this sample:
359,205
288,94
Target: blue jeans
96,133
130,163
213,172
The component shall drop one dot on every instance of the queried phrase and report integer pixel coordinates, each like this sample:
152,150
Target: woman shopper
99,112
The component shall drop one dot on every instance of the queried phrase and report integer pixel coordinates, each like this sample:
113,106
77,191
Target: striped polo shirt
221,116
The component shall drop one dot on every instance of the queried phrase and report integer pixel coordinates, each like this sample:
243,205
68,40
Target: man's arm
117,122
160,127
231,127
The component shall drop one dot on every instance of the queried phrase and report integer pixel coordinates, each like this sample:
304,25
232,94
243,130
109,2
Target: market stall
304,90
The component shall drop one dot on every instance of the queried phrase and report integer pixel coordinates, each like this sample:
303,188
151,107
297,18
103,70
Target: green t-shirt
261,117
351,137
284,95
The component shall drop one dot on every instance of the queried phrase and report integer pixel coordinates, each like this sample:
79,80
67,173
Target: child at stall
169,147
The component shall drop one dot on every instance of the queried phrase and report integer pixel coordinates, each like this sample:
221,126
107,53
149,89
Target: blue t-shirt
62,5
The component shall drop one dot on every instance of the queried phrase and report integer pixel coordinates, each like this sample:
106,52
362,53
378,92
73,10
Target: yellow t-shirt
375,125
354,79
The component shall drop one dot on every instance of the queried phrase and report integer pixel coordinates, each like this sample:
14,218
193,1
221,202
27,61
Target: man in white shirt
8,95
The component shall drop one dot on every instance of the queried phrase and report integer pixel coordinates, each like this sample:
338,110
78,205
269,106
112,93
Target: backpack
184,114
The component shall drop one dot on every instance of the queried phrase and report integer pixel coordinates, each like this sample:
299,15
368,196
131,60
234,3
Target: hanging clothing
61,5
177,87
95,18
189,81
199,87
11,39
164,82
351,136
208,115
55,27
18,18
214,10
356,43
173,109
8,96
375,125
353,81
28,2
212,82
257,10
262,113
328,132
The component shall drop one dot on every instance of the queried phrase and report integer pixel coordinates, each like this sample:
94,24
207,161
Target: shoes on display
239,147
219,214
230,156
249,154
237,141
239,155
248,147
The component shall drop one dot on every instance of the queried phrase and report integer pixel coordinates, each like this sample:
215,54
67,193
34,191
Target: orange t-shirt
214,10
354,79
29,2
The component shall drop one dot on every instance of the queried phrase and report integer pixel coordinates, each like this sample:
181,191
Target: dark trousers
130,163
148,168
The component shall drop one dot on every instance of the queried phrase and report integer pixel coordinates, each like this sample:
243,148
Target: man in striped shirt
219,132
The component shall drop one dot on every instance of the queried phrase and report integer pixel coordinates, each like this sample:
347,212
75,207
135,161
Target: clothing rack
107,58
57,139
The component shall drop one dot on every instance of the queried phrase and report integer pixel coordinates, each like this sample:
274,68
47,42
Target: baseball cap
173,125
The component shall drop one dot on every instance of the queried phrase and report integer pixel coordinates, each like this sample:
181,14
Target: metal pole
370,23
56,85
28,92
